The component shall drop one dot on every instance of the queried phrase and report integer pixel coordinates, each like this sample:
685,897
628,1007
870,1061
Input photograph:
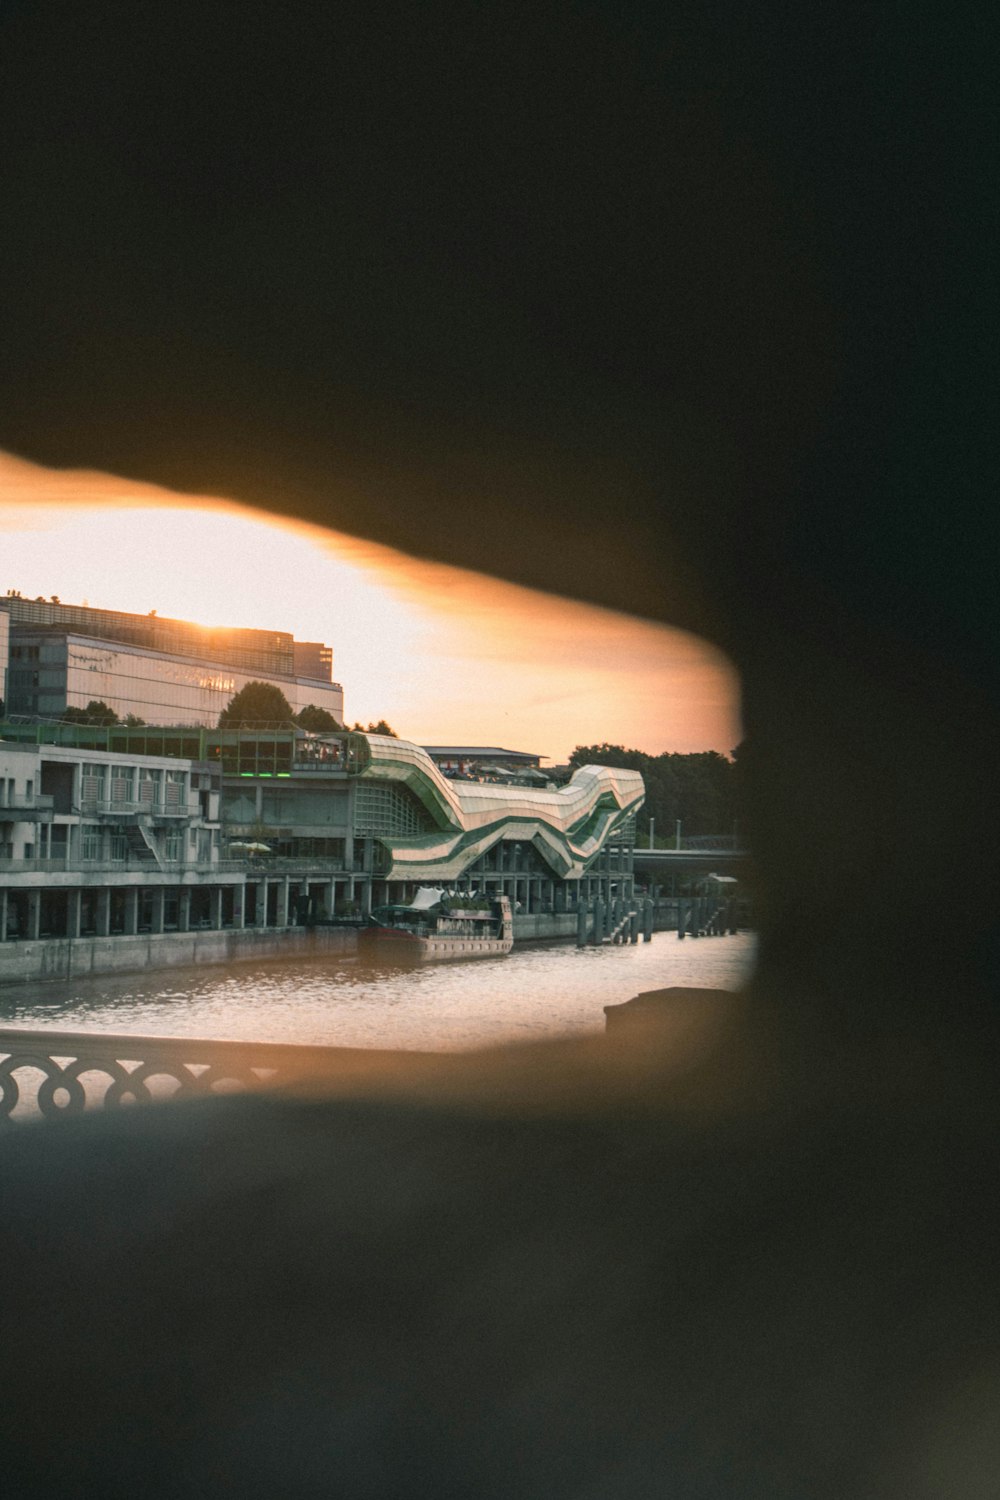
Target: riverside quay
120,846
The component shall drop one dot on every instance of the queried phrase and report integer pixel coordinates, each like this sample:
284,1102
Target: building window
173,844
123,784
173,789
91,786
147,788
387,810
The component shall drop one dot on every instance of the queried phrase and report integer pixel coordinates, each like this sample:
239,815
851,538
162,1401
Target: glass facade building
259,652
50,671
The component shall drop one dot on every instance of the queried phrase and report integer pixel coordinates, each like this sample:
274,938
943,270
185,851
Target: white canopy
426,897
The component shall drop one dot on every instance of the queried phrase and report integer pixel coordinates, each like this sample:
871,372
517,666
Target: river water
539,991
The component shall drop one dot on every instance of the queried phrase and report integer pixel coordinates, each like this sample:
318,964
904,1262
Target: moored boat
436,926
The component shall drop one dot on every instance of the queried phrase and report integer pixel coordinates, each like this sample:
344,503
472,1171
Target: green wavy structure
569,826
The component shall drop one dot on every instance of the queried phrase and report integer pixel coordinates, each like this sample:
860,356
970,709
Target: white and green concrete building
110,833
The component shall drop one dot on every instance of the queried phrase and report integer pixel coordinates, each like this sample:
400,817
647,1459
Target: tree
380,728
257,703
701,790
133,721
96,712
316,719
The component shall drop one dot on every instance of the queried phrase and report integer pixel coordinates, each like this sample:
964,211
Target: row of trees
257,703
702,790
264,703
99,712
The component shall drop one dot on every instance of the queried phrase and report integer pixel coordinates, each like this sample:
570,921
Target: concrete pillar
3,915
349,850
281,915
103,921
331,897
184,909
34,914
131,911
239,905
156,921
261,920
73,913
215,906
366,896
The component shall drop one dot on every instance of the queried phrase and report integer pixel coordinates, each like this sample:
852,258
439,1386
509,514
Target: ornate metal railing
47,1073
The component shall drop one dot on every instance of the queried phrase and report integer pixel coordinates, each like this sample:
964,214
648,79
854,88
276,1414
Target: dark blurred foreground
679,309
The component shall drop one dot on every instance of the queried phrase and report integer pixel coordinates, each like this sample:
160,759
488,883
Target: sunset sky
447,656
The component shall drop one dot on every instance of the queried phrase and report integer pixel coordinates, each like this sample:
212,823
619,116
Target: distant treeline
702,789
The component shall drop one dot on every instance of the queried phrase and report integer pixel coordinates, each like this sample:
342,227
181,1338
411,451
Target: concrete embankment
561,927
73,958
544,927
24,962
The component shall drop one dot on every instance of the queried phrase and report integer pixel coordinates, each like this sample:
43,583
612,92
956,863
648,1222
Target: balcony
38,808
123,811
75,864
305,864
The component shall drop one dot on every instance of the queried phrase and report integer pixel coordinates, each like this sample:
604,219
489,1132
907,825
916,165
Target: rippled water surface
536,992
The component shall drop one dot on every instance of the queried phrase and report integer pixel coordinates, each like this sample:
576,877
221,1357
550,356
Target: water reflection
537,992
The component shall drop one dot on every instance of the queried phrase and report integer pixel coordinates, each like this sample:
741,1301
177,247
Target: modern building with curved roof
455,825
109,830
